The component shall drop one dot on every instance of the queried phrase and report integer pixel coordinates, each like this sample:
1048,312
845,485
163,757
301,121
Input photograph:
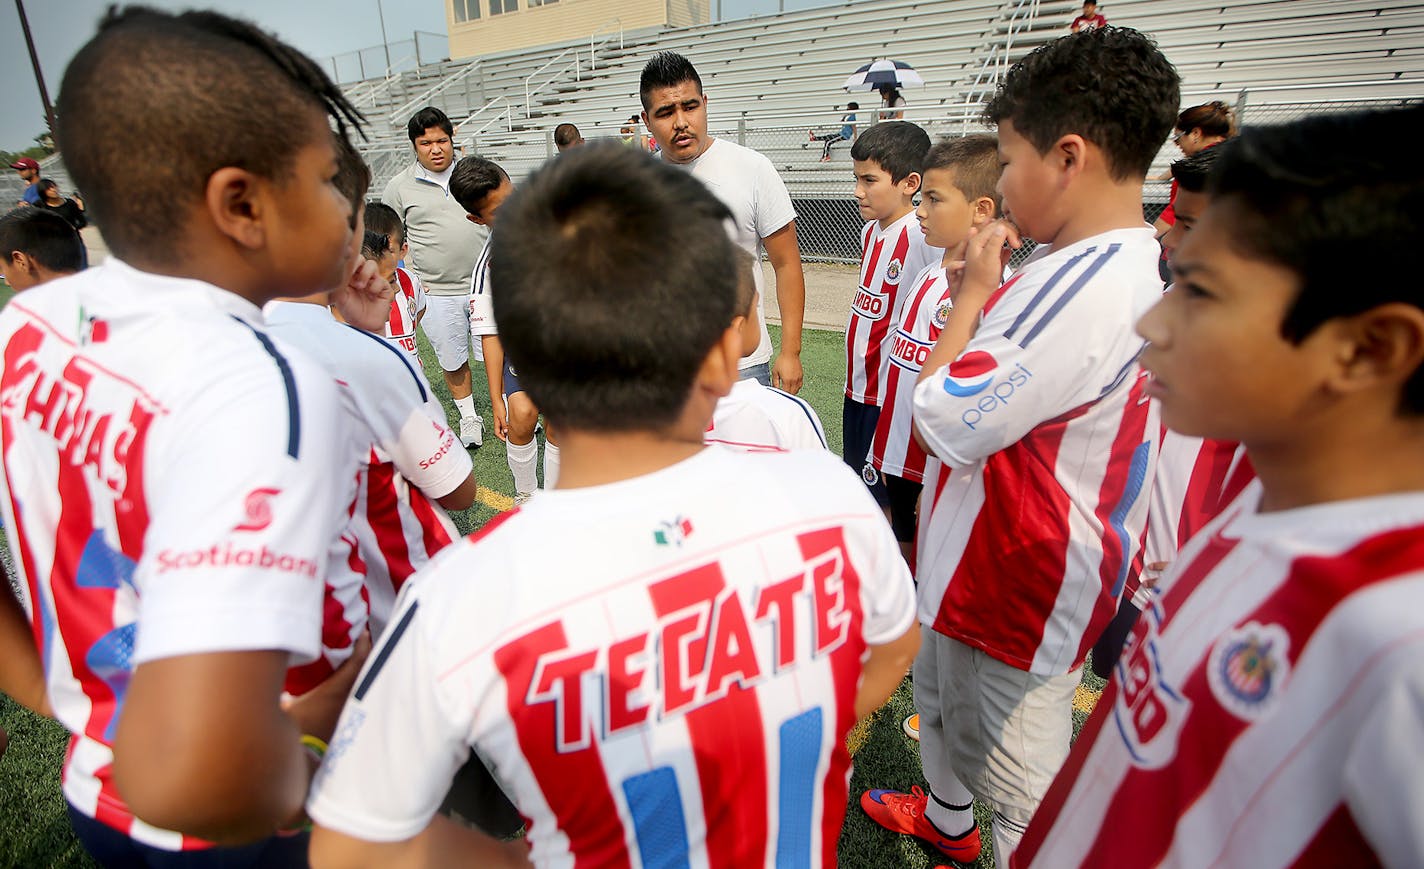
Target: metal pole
1240,108
385,43
35,62
415,35
742,130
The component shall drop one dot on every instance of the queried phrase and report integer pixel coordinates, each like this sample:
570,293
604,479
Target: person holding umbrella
887,77
892,104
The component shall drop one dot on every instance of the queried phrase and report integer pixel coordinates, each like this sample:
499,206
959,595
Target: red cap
25,163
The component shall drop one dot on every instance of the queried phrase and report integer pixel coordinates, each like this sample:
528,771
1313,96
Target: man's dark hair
148,74
375,245
43,236
614,278
425,119
475,178
897,146
666,69
1193,173
566,135
1303,206
1112,86
384,219
975,161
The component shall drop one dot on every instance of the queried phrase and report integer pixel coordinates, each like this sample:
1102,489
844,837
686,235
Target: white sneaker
522,498
472,430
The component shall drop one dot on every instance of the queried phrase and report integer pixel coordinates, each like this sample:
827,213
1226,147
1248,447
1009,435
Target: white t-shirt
748,185
1267,709
170,488
890,260
672,683
1052,444
393,419
755,418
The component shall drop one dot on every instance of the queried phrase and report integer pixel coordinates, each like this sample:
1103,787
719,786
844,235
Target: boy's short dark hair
566,135
614,278
375,245
425,119
897,146
384,219
1112,86
1193,173
666,69
975,161
1305,194
746,282
43,236
473,179
146,76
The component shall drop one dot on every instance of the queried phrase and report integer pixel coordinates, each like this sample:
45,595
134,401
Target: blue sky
321,28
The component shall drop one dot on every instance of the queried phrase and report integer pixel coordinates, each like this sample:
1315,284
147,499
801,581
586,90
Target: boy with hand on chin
173,544
1033,402
677,677
1267,709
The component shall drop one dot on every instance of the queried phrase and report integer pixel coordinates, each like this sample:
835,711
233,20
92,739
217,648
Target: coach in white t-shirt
675,110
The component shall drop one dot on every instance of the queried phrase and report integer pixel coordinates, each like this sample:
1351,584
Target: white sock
551,465
952,812
522,459
466,406
1007,835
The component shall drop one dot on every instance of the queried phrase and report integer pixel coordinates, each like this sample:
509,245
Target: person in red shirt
1091,19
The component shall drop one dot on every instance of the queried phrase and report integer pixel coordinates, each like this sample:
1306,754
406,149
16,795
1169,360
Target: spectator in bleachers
892,103
631,135
675,110
567,136
1091,19
845,134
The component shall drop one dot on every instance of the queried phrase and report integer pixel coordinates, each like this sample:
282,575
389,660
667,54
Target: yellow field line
1084,700
855,740
494,500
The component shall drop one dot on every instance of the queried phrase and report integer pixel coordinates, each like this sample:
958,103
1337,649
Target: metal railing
507,115
576,65
449,81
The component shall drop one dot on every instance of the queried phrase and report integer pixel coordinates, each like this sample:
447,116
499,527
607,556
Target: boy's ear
719,368
474,219
1068,154
1385,346
983,211
234,200
910,183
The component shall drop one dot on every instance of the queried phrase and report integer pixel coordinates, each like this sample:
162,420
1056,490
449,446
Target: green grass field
34,831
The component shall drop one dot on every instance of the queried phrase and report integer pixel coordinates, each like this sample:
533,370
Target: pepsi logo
970,374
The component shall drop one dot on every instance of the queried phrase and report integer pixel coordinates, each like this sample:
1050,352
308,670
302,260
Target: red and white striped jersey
409,301
397,428
158,509
670,685
893,449
1194,481
1267,709
1052,441
759,419
889,259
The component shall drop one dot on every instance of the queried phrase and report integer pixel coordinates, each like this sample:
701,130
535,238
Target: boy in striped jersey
1033,402
887,160
673,682
957,195
1268,706
408,306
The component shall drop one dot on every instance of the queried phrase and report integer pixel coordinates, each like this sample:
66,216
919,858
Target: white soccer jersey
893,450
1052,442
195,500
672,684
409,301
397,427
758,419
481,300
1195,479
1267,709
749,186
890,259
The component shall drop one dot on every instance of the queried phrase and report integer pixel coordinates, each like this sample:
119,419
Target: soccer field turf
34,830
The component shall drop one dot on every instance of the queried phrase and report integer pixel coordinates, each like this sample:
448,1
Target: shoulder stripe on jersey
388,642
294,416
806,409
1068,294
1048,286
399,354
481,272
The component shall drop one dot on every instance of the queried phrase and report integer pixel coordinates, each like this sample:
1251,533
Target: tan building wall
561,21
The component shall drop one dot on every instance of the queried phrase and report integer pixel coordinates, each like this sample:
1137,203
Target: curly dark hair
1112,86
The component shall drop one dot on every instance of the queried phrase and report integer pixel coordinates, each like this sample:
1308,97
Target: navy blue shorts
511,380
111,848
904,498
857,431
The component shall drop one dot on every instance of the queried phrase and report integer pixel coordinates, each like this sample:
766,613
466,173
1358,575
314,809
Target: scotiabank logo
228,555
447,440
970,374
257,507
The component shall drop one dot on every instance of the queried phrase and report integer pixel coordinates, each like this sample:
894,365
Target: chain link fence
391,58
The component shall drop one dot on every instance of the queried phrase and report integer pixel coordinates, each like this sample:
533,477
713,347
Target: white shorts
447,324
1004,732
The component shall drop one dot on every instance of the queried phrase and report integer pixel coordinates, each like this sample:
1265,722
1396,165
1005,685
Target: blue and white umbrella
880,72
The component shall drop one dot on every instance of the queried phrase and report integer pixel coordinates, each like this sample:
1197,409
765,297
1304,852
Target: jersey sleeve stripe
1048,286
806,409
388,643
294,416
405,361
1068,294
